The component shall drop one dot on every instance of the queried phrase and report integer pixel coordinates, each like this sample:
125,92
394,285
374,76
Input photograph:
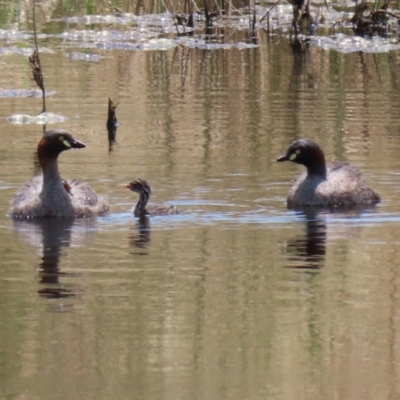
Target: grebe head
139,186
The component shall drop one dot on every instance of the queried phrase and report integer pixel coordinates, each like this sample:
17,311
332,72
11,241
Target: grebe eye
61,138
294,155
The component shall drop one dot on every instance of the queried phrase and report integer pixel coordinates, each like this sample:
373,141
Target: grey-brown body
80,200
337,184
47,195
343,186
162,209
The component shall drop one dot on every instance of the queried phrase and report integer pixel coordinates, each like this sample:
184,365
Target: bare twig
195,6
173,15
387,13
117,9
271,8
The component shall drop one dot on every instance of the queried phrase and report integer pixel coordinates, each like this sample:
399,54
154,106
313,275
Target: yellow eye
297,151
61,138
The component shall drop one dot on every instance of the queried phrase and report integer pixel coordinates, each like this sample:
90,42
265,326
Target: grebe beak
282,158
76,144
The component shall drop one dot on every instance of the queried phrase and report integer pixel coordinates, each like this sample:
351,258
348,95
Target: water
237,298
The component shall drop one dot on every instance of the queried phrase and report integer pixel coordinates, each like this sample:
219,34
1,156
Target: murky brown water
238,298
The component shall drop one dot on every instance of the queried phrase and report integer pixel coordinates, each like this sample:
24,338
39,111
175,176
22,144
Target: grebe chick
48,195
336,184
142,187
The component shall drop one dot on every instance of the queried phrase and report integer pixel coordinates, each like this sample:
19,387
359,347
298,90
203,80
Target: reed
34,61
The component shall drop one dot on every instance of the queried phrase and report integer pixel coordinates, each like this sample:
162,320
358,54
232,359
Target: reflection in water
309,249
302,64
52,234
141,236
55,234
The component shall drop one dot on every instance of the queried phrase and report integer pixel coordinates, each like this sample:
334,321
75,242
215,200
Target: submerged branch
112,123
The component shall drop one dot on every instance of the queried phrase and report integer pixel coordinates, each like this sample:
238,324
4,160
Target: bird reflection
52,235
308,249
141,235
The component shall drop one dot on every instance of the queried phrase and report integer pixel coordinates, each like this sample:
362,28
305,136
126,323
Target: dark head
307,153
142,187
54,142
139,186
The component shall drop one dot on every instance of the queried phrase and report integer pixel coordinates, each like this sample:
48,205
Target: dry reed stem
34,61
